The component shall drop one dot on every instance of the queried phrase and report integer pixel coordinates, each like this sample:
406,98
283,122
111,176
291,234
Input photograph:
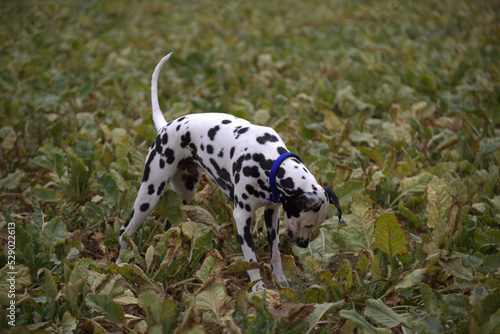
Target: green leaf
54,234
157,309
456,268
103,304
149,256
50,285
319,311
390,237
382,314
315,294
373,155
347,190
108,185
68,323
12,180
410,279
432,300
8,136
414,186
439,200
361,322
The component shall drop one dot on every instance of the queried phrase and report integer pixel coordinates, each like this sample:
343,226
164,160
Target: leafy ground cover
393,104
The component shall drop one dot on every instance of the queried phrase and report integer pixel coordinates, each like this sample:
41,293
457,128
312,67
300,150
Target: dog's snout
302,243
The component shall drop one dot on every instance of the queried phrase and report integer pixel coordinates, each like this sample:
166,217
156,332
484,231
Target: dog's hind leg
157,174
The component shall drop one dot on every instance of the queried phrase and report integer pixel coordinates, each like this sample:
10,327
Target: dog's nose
302,243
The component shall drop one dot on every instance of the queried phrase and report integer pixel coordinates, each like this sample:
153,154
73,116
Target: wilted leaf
410,279
212,296
212,265
298,314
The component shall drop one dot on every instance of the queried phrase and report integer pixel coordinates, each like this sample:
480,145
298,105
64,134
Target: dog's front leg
272,217
243,220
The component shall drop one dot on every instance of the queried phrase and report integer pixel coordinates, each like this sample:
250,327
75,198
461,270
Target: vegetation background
395,104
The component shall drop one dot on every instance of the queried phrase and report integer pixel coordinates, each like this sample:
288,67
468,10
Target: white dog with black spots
250,164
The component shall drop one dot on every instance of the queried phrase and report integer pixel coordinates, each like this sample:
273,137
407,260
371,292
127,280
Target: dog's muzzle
302,243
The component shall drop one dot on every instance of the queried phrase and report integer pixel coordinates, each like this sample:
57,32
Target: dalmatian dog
249,163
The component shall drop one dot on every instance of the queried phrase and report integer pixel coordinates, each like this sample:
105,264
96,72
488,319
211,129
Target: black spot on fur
239,131
267,138
251,171
158,144
164,138
265,164
226,121
281,150
231,153
144,207
169,154
162,163
287,183
210,149
161,188
151,189
248,234
147,168
221,154
185,139
212,132
128,221
250,189
180,119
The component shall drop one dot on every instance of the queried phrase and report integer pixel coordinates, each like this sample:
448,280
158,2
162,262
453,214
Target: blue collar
272,177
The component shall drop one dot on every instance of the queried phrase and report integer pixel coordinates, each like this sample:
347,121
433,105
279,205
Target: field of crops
394,104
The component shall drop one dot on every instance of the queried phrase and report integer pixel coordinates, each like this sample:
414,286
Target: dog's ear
332,198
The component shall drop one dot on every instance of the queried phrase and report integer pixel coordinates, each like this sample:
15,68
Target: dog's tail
158,117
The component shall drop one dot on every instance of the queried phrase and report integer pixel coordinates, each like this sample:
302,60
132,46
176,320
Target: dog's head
306,211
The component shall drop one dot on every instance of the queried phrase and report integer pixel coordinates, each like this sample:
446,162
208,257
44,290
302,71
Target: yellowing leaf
360,229
390,236
439,200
